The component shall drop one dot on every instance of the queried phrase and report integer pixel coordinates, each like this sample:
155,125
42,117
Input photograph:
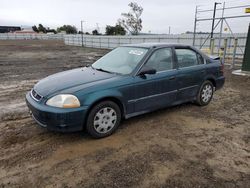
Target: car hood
67,79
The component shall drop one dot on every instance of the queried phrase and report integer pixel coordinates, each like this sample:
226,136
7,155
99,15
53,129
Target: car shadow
125,122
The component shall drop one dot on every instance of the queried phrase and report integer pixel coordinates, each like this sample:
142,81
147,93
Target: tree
110,30
95,32
115,30
119,30
68,29
41,28
132,21
51,31
35,29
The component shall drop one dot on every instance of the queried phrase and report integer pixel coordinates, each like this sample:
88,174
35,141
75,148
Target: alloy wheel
206,93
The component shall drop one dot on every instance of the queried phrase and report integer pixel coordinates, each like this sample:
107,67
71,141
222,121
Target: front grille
35,95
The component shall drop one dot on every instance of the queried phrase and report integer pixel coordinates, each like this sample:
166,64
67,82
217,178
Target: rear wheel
205,94
103,119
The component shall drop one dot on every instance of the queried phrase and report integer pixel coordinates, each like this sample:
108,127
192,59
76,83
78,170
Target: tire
103,119
205,94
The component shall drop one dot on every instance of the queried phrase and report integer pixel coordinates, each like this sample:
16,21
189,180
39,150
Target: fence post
229,44
246,57
234,51
225,50
201,42
212,46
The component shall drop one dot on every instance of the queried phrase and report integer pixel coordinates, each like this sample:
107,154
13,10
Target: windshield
122,60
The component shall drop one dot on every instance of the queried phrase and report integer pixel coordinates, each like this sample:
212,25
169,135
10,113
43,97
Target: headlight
64,101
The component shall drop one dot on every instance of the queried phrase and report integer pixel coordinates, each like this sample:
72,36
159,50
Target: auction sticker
136,52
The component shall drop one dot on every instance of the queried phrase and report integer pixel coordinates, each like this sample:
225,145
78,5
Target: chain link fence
25,36
232,47
110,42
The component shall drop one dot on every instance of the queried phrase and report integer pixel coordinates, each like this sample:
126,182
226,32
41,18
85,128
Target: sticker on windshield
136,52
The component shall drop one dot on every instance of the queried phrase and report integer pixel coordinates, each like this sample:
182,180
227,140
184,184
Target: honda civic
128,81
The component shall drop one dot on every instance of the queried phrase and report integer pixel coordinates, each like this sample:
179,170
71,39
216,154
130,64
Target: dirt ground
183,146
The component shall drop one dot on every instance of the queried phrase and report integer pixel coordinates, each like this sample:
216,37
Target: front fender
96,96
91,98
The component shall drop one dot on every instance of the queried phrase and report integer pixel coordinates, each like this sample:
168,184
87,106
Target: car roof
156,45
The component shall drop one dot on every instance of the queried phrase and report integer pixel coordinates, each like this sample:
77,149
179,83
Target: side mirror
147,70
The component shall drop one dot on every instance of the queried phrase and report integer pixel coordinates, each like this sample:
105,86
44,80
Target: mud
182,146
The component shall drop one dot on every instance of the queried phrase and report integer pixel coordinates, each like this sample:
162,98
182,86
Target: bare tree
132,21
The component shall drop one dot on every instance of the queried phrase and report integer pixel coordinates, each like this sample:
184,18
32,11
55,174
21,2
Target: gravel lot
182,146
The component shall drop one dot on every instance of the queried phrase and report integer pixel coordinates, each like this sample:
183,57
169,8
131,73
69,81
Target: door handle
172,78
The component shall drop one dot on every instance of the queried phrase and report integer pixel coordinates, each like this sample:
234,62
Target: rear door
191,73
157,90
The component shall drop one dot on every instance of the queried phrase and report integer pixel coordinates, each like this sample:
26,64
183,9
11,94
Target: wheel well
213,81
113,99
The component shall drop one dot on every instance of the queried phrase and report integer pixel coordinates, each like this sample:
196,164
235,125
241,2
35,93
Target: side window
200,59
161,60
186,57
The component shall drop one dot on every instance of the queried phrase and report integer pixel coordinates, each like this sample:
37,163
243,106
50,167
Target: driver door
156,90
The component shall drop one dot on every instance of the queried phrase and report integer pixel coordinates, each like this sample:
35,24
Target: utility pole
221,27
169,30
195,22
82,21
212,30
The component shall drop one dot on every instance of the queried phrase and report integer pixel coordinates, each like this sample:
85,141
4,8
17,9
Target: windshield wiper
103,70
100,69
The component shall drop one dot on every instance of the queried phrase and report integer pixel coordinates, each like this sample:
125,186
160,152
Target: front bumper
57,119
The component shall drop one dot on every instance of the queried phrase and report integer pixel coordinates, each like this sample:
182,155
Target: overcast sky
157,16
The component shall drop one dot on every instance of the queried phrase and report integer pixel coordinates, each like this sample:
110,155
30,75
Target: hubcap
206,93
105,120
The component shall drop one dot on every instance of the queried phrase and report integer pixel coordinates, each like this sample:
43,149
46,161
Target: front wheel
205,94
103,119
